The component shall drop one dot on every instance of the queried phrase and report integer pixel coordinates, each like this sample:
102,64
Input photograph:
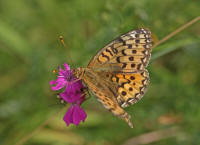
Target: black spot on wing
124,93
137,41
124,65
131,58
109,52
134,51
118,59
123,52
103,55
130,89
133,65
130,46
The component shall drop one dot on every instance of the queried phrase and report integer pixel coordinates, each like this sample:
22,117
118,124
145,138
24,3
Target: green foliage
30,50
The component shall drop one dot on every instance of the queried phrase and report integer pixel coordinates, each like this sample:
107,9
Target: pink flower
72,95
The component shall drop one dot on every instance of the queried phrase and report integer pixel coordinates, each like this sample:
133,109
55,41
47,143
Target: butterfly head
78,72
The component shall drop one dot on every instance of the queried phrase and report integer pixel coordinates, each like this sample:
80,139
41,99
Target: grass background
30,50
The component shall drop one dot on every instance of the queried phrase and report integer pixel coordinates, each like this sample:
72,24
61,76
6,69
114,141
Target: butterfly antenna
68,54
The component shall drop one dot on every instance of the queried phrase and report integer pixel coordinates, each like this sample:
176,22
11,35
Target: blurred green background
30,49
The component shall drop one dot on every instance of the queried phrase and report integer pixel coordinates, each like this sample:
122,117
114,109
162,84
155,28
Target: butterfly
117,74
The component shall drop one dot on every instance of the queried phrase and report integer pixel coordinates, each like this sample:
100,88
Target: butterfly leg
85,91
89,95
75,81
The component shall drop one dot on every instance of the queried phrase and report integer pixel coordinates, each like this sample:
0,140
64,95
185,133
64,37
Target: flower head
72,94
64,78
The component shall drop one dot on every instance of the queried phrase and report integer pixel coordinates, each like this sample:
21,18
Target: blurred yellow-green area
168,114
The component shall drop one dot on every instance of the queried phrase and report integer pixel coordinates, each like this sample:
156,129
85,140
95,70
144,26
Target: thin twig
27,137
177,31
153,136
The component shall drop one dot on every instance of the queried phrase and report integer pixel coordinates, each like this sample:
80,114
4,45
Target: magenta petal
59,86
70,96
61,72
66,97
78,84
82,99
52,82
75,87
74,115
82,114
66,66
68,116
61,80
78,115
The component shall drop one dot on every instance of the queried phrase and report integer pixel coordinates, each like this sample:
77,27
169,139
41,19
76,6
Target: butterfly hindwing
133,87
130,86
106,93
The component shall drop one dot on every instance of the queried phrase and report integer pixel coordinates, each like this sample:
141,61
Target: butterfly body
116,75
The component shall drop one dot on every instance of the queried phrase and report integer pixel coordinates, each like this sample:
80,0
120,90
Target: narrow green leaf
169,47
14,40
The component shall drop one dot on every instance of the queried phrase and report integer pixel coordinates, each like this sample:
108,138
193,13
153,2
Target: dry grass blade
177,31
153,136
27,137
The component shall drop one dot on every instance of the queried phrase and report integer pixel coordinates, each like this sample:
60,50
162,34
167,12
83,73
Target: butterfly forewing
133,48
117,74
